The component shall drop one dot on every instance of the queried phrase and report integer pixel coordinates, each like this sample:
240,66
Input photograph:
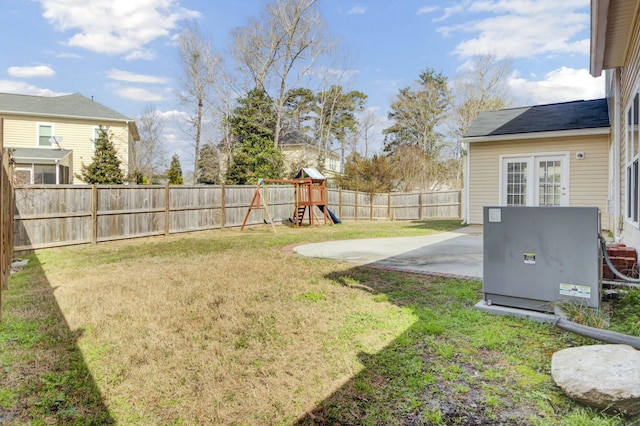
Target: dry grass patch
230,331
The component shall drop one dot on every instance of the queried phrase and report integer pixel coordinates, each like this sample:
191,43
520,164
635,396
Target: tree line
278,86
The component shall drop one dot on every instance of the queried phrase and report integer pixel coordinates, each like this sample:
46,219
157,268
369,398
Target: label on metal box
530,258
575,290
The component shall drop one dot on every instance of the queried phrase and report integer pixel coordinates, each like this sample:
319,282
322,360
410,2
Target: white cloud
140,94
31,72
177,139
452,10
22,88
521,28
115,26
357,10
130,77
63,55
560,85
146,55
427,9
176,115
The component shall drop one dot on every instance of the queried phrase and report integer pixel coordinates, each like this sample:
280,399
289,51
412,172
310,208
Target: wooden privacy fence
59,215
6,218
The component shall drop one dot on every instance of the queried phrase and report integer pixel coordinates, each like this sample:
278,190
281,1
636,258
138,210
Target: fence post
223,205
356,214
167,228
389,206
94,214
371,197
420,204
340,203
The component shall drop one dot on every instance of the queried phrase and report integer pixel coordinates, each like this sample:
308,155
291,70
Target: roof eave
133,130
539,135
599,20
76,117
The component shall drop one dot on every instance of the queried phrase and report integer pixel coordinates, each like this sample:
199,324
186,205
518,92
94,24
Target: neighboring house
615,48
545,155
51,137
301,151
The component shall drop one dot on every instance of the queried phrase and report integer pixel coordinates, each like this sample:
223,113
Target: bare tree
415,171
199,67
368,121
481,86
278,50
226,93
149,155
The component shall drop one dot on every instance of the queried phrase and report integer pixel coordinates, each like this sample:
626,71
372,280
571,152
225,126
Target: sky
123,53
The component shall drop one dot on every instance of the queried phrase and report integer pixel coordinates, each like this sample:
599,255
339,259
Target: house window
333,164
45,132
631,163
97,132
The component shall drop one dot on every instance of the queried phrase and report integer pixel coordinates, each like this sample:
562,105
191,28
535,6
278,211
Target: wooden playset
310,190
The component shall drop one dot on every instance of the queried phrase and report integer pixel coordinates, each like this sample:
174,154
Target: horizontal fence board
61,215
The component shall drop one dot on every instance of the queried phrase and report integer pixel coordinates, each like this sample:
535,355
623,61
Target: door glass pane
517,183
549,185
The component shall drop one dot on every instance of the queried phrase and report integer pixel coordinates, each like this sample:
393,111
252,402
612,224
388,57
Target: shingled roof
574,115
74,105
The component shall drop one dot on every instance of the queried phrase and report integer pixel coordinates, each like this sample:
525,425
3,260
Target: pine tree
255,156
209,165
105,166
175,171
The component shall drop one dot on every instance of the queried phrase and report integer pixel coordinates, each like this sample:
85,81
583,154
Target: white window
97,132
45,132
333,164
631,162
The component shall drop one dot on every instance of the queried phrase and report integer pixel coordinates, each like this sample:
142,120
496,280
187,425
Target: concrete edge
515,312
421,272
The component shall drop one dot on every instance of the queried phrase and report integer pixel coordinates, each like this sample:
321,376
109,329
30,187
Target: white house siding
629,82
294,154
588,177
21,131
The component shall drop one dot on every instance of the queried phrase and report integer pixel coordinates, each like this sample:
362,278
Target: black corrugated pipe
594,333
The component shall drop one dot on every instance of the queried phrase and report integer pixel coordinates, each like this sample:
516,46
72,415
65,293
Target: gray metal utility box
534,256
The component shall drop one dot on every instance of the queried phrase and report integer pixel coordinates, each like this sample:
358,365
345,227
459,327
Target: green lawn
223,327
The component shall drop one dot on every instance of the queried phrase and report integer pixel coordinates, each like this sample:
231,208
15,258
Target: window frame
53,132
94,130
632,158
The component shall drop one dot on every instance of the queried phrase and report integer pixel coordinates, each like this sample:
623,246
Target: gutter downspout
465,146
617,102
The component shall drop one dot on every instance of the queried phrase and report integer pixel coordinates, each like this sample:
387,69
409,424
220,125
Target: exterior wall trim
540,135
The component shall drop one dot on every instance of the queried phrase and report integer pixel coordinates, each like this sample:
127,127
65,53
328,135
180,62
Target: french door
537,180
